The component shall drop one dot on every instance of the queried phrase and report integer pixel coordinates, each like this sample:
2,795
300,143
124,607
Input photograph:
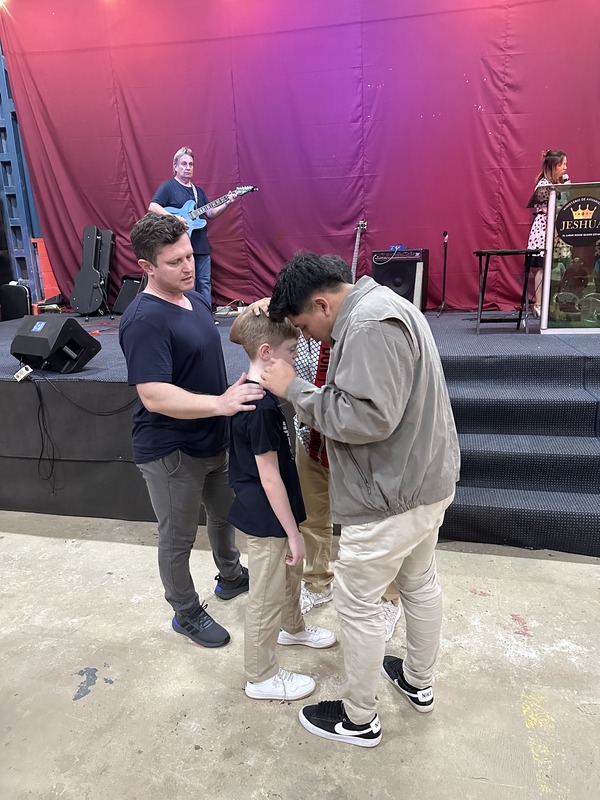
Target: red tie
316,442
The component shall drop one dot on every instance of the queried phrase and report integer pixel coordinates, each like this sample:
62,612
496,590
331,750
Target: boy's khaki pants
273,604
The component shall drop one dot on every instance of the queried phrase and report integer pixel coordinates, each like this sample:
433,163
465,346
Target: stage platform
527,410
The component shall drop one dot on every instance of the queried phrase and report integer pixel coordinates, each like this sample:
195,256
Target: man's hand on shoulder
277,376
237,397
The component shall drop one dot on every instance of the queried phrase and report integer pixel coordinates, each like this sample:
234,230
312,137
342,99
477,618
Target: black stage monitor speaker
58,344
405,272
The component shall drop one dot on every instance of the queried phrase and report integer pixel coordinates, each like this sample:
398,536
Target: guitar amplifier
406,272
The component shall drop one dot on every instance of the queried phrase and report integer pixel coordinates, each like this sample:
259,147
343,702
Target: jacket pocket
363,477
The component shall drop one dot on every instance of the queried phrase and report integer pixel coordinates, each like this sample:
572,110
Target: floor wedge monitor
55,343
405,272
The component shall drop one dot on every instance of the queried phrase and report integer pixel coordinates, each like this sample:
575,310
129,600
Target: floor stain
90,676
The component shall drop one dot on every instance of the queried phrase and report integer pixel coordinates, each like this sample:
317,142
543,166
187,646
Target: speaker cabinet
130,286
406,272
58,344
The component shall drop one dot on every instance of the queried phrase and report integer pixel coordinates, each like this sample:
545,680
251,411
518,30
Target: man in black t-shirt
175,361
175,193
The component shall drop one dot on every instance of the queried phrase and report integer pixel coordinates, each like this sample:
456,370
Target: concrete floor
100,699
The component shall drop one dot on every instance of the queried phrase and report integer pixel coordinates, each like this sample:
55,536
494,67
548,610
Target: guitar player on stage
175,193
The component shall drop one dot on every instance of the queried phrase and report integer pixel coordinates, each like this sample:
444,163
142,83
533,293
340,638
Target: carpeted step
545,463
542,410
523,369
563,521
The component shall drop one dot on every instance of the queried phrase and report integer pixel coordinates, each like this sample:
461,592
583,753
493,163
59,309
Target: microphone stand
443,304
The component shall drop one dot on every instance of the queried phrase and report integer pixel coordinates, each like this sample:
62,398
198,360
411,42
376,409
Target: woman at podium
554,170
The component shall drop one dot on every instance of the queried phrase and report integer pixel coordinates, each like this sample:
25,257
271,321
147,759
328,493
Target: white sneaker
319,638
391,615
310,599
283,686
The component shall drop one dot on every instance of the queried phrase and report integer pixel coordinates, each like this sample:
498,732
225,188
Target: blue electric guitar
192,215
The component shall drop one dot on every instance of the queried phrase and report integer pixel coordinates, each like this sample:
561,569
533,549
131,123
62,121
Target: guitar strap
194,190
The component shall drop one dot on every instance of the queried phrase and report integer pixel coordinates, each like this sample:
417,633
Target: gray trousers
177,485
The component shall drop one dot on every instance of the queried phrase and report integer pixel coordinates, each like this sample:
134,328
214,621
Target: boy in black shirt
268,507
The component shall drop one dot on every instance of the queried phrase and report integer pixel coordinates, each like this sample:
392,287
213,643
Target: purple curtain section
420,117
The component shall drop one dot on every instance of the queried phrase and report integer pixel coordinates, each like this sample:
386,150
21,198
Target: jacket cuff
296,387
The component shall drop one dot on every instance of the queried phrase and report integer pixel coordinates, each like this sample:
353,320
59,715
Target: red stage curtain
420,116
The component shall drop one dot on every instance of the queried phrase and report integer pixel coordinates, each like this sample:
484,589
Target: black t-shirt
172,194
165,343
253,433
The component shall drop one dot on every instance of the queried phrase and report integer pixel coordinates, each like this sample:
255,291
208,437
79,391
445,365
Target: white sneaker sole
280,697
313,646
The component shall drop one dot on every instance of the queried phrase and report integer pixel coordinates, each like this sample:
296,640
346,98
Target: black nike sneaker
328,720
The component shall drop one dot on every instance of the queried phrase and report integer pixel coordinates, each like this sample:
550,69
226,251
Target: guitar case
107,249
89,295
15,301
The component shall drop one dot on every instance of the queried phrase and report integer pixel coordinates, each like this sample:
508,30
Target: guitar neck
359,229
213,204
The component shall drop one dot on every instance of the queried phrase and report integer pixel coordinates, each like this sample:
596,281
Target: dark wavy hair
151,233
302,276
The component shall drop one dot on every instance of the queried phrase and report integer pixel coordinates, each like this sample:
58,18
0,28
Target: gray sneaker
391,615
201,628
310,599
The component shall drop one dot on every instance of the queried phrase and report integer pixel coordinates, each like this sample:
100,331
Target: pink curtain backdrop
419,116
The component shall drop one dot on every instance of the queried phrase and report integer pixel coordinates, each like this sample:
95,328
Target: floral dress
537,235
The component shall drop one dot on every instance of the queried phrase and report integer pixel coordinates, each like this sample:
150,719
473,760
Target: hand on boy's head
277,376
259,306
239,395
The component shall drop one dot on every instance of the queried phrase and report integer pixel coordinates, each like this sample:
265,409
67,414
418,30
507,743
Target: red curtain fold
420,117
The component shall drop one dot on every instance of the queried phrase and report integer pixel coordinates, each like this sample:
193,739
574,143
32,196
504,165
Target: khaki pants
273,604
399,548
316,530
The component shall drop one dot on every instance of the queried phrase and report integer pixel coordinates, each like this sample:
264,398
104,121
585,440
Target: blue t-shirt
172,194
253,433
165,343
